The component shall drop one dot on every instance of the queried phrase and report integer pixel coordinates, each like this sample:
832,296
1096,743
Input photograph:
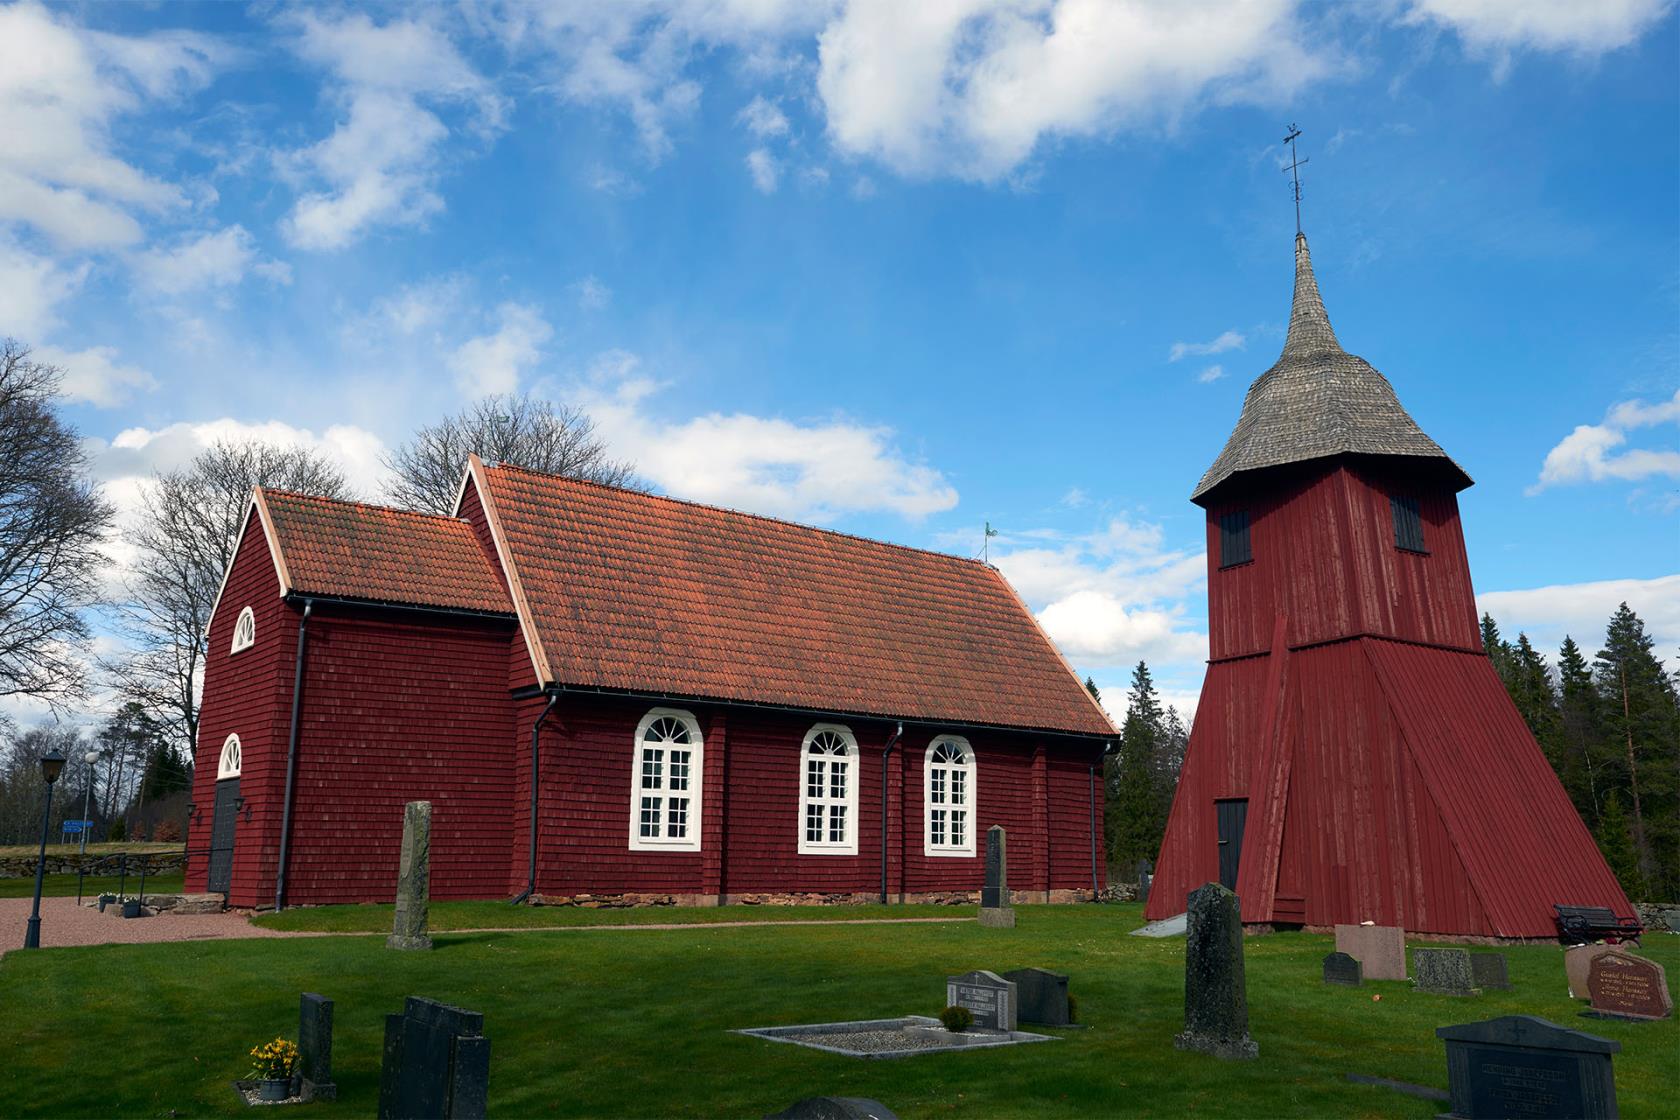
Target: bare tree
523,430
51,524
188,529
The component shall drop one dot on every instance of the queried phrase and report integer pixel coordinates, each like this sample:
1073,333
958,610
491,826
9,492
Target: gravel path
65,923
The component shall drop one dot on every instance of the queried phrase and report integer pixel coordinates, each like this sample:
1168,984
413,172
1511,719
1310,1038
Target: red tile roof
640,593
355,551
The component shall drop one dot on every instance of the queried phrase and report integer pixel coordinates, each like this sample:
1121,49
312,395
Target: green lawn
64,886
623,1023
54,848
376,918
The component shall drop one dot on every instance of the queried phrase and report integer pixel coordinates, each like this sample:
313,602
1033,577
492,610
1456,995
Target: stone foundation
155,863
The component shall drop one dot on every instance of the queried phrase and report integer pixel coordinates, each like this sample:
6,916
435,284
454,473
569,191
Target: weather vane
1295,173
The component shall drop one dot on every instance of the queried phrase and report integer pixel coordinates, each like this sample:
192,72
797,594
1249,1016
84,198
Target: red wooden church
609,693
1354,755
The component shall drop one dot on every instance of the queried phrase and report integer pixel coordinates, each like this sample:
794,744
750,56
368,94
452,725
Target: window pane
650,817
837,824
651,767
813,823
936,785
676,818
814,777
936,828
679,770
837,781
959,787
959,827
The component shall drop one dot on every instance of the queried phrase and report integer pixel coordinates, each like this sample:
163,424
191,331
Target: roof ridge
420,513
743,513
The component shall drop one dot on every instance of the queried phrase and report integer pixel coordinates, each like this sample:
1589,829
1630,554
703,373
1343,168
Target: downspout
291,756
1096,881
536,739
886,753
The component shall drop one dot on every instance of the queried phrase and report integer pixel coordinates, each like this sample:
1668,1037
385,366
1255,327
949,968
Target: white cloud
1211,374
492,363
808,470
210,260
592,295
413,308
380,165
1589,453
1097,627
764,118
31,288
1500,26
94,376
973,87
1228,340
1582,610
765,171
62,91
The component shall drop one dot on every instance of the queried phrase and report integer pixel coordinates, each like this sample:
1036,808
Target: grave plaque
437,1064
987,995
1145,876
1523,1066
315,1016
1577,961
1041,996
1380,950
1628,987
1215,989
1339,968
1488,971
408,923
1443,972
995,909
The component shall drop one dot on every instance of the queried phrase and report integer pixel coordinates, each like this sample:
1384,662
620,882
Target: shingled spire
1318,400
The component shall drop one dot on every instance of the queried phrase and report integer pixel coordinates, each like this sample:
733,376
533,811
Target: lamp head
52,765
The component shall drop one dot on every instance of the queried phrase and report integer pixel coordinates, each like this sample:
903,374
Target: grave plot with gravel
891,1038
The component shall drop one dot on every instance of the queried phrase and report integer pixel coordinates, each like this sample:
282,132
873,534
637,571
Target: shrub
957,1018
1073,1008
115,832
273,1061
167,832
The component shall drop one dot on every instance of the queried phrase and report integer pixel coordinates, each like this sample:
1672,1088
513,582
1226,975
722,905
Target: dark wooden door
1233,814
221,836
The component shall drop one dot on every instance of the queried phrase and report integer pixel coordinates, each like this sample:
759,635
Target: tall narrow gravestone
1215,988
437,1064
315,1016
995,909
1519,1065
408,925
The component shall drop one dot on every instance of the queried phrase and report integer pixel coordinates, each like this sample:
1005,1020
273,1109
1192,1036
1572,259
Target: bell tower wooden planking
1350,720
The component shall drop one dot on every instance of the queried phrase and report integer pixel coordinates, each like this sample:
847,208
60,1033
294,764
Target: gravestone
1443,972
1145,876
1339,968
1041,996
437,1064
1380,950
1628,987
408,924
1519,1065
987,995
1577,962
1488,971
995,909
835,1108
315,1016
1215,988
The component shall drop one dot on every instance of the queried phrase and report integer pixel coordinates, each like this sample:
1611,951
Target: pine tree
1091,687
1639,708
1497,649
1532,692
1135,807
1616,843
1580,733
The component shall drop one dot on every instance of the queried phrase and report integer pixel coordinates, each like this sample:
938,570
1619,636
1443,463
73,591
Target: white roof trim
516,589
273,540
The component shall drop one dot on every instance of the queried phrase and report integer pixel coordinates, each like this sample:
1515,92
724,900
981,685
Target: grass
499,915
54,848
605,1023
64,886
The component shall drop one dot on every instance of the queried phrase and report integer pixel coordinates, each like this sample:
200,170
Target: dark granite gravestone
995,909
987,995
835,1108
1041,996
1624,986
1488,971
1443,972
1145,876
1339,968
408,924
1519,1065
1215,988
437,1064
315,1016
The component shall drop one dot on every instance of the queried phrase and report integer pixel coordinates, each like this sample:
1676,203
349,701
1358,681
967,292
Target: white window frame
965,773
825,802
244,630
693,789
229,764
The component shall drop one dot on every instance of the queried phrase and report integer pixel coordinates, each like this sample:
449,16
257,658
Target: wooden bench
1582,925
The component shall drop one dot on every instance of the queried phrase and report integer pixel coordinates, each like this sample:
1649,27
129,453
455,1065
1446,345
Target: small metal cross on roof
1295,172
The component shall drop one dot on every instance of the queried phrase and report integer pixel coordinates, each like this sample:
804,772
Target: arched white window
244,630
828,792
948,793
228,765
665,776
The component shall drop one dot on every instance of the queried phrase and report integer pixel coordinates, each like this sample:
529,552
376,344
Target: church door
221,836
1232,814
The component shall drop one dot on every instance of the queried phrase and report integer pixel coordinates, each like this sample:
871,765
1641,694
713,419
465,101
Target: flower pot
131,908
274,1088
106,900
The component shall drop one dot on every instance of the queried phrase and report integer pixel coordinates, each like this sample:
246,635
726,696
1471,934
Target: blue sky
896,269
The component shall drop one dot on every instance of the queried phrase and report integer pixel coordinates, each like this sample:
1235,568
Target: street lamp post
52,765
90,758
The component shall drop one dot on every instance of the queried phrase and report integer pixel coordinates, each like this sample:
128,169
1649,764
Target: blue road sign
77,826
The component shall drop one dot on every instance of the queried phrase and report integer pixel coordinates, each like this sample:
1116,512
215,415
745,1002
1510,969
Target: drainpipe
291,756
536,737
898,733
1096,881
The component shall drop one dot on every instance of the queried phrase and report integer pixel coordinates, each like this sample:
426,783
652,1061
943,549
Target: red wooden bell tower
1354,755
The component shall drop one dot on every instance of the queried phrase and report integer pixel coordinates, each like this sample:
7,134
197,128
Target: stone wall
155,863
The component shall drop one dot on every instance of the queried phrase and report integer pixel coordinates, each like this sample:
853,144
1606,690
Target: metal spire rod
1295,173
